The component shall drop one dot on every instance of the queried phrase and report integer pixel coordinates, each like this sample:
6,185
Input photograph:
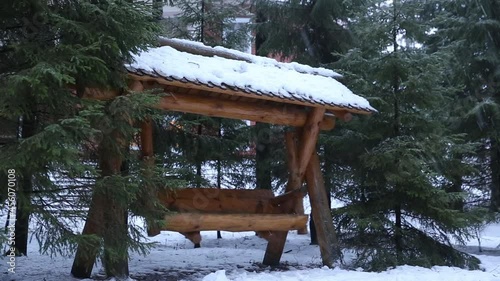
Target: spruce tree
50,53
471,30
311,32
390,167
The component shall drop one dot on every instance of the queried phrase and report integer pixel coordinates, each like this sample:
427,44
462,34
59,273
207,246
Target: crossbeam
190,222
278,114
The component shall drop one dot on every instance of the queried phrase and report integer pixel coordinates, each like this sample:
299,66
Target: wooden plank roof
193,65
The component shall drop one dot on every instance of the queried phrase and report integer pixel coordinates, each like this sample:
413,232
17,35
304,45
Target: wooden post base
323,222
275,247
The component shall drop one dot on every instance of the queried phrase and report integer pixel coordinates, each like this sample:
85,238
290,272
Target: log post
309,138
193,236
275,245
147,195
293,178
321,212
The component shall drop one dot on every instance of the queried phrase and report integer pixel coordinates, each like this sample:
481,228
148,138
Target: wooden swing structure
187,73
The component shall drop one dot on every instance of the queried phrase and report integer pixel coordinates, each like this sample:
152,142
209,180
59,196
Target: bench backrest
213,200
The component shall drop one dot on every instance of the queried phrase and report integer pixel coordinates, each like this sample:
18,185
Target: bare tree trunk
262,151
312,229
88,249
107,222
219,166
495,176
23,208
398,236
262,158
115,232
198,157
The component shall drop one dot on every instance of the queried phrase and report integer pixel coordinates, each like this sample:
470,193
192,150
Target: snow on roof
253,75
257,59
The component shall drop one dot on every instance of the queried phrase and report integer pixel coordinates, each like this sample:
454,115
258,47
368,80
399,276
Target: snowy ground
238,255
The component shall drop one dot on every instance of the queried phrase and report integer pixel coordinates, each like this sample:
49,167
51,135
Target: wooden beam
148,159
107,94
147,139
343,115
288,115
146,127
147,156
190,222
229,201
100,94
136,86
309,138
276,244
321,212
201,195
194,237
236,92
288,196
215,200
294,181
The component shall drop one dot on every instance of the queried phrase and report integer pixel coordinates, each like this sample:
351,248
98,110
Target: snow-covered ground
238,255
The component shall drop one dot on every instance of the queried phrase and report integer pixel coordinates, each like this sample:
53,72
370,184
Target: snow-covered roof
247,75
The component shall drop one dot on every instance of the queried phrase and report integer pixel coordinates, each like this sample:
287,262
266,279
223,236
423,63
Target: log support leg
194,237
321,212
147,195
308,139
294,180
275,245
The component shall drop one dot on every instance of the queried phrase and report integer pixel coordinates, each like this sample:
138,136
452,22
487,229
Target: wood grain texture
278,114
320,210
238,201
190,222
294,181
308,139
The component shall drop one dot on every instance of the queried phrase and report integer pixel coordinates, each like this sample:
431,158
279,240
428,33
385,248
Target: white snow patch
219,275
234,256
406,273
263,60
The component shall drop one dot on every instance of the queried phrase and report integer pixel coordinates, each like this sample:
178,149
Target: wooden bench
200,209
